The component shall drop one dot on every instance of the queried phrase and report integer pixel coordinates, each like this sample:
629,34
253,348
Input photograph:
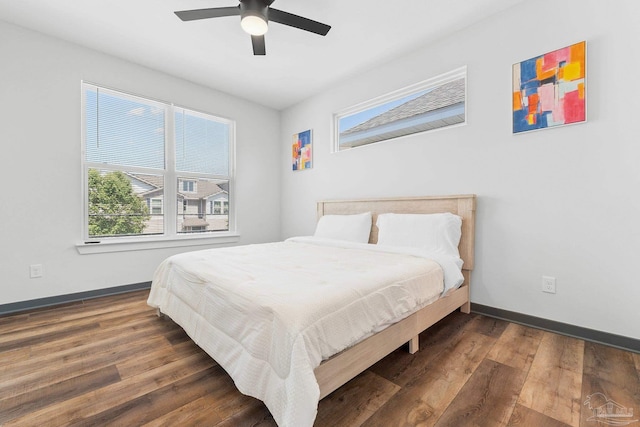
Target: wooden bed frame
339,369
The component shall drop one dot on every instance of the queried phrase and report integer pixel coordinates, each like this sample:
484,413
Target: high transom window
432,104
151,168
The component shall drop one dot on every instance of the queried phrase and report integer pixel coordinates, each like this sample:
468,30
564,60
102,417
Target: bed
292,321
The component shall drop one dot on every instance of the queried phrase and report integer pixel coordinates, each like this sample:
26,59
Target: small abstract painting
302,150
549,90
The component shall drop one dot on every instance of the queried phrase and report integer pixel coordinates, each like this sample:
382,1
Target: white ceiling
217,53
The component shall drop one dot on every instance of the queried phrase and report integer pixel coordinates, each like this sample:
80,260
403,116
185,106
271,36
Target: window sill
139,244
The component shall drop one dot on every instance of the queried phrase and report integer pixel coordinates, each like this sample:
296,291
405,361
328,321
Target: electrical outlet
549,284
36,270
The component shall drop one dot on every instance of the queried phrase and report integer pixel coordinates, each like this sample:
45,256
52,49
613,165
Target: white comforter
270,313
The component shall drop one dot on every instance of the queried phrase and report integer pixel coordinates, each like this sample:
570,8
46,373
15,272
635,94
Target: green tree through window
114,208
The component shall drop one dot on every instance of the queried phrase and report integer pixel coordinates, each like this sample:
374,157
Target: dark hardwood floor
112,362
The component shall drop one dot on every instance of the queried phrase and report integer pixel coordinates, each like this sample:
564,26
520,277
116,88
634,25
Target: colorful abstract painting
549,90
301,151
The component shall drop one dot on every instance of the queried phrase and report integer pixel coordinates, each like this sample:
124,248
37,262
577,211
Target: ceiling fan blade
216,12
292,20
258,45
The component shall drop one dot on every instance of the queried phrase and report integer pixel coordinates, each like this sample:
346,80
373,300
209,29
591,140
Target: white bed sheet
270,313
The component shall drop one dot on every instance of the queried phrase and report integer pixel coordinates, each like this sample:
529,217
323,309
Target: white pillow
438,233
352,228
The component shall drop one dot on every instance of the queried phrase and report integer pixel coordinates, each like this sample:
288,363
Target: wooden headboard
462,205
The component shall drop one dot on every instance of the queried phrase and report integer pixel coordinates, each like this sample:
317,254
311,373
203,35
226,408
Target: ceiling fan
255,15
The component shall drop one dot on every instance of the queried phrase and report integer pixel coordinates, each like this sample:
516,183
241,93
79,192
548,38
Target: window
134,148
155,206
219,207
188,186
429,105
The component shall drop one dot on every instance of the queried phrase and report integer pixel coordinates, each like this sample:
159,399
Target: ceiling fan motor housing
256,8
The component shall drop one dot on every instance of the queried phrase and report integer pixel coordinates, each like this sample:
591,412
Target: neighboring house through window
130,160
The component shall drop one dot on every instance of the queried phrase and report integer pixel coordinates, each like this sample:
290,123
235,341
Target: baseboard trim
618,341
17,307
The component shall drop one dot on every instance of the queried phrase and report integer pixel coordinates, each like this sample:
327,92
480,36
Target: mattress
270,313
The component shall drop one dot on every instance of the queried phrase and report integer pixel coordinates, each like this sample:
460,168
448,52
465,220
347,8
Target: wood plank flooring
111,362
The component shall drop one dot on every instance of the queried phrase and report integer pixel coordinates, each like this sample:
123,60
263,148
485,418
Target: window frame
430,83
170,237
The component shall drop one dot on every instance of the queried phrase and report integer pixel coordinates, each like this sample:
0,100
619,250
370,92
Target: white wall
560,202
40,211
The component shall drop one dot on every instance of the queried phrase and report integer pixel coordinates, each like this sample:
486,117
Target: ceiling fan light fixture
255,16
254,24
